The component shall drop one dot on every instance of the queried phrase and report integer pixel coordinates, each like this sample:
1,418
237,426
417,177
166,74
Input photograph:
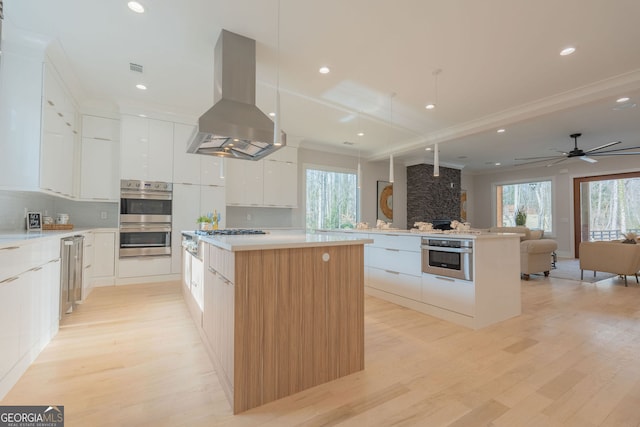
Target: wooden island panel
299,320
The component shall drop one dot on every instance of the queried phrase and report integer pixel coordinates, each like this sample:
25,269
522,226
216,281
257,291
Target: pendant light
435,74
359,176
391,132
436,162
277,131
221,167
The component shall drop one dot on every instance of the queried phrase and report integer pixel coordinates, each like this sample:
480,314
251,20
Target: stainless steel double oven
145,218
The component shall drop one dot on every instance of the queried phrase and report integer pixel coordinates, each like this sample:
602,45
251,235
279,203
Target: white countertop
474,234
13,238
281,241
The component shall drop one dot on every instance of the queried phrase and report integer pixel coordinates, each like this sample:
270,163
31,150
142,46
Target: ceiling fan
585,155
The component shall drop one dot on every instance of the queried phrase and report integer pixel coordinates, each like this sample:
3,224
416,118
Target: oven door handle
445,249
142,195
145,229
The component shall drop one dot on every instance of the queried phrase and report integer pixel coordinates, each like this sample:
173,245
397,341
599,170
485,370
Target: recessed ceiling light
430,106
567,51
498,163
360,133
623,99
272,114
136,7
324,70
142,115
501,130
141,87
428,149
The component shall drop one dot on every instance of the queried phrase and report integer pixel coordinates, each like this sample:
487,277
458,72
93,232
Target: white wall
562,176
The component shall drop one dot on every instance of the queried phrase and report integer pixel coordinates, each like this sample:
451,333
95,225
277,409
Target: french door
605,206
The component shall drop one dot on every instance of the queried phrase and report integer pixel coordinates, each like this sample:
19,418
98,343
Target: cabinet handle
392,250
54,260
88,266
50,102
36,269
60,114
10,279
392,272
212,270
101,139
446,279
10,248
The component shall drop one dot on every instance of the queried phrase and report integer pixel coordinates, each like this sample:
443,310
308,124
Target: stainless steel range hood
234,127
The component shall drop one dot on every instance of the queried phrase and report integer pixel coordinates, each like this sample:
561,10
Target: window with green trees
331,199
531,198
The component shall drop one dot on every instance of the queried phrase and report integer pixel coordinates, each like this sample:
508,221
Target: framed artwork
385,201
34,221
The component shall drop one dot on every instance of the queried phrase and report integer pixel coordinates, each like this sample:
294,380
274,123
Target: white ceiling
500,67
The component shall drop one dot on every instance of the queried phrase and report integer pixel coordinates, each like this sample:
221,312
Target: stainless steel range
145,218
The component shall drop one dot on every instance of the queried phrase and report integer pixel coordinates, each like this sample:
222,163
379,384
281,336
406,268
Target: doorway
605,206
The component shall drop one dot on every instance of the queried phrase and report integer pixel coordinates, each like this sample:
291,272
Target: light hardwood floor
132,356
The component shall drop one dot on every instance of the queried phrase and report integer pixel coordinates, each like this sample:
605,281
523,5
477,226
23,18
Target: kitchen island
281,312
394,271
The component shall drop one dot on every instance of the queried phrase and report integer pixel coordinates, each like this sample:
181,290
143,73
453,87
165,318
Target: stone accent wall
430,197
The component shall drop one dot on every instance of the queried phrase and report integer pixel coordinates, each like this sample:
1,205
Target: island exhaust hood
234,127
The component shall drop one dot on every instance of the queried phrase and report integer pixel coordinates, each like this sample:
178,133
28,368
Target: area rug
569,268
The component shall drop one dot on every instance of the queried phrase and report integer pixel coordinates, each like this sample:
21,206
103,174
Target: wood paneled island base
278,321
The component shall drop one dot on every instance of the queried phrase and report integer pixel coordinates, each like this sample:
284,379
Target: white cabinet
146,149
271,182
280,183
104,255
244,182
393,265
59,136
29,305
140,267
191,168
99,177
451,294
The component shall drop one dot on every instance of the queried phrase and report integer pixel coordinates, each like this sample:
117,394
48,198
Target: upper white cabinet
146,150
59,136
271,182
191,168
99,177
245,180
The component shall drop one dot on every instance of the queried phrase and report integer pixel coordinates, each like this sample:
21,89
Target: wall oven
448,257
145,218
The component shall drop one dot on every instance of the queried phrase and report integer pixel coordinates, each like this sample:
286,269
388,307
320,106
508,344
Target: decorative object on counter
62,219
204,222
47,220
385,201
362,225
383,225
521,216
423,226
34,221
460,226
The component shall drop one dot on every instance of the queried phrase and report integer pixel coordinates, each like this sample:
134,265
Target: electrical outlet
248,217
103,215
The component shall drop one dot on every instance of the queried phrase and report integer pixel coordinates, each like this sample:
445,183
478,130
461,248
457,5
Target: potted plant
204,222
521,216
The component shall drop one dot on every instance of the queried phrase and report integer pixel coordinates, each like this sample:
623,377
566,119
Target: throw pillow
536,234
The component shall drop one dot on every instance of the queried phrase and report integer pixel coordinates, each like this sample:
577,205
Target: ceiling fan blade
613,153
603,146
588,159
539,158
617,149
555,162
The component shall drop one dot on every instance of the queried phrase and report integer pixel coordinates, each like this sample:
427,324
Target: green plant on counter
521,216
203,218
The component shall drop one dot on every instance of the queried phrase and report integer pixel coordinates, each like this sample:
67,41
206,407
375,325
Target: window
331,198
534,198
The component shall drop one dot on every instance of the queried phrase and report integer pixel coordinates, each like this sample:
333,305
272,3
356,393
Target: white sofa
610,257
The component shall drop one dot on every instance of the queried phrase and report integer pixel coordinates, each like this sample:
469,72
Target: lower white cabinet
29,306
448,293
394,282
141,266
103,268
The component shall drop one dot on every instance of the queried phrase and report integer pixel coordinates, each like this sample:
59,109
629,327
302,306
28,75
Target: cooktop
229,232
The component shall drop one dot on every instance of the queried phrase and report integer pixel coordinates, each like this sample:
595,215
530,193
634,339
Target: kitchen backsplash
247,217
81,214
